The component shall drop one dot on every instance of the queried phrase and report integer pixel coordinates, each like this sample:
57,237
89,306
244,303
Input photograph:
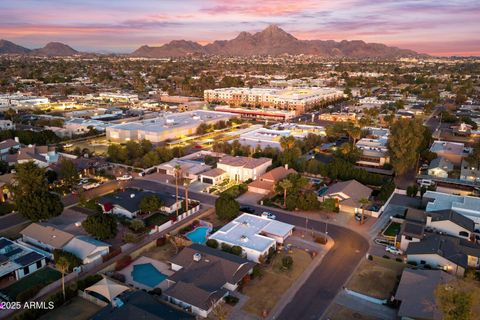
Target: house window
39,264
423,262
26,270
463,234
408,238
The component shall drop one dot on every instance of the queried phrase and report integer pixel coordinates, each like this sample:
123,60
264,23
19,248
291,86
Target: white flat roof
246,231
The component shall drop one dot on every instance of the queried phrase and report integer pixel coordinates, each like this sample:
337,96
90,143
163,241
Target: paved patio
160,266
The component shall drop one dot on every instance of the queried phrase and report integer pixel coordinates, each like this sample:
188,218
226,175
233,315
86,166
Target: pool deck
161,266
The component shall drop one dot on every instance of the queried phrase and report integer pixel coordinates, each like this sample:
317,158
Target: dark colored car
247,209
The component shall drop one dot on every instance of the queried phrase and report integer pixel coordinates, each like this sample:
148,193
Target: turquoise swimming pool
147,274
199,235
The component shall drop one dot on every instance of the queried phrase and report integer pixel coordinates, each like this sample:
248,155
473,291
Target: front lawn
393,229
264,292
377,278
156,219
75,309
42,277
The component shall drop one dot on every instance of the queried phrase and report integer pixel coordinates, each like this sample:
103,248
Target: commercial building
19,100
270,137
295,99
263,113
168,126
120,97
255,235
374,148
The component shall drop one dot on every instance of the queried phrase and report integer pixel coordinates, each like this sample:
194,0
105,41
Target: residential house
190,169
413,227
265,184
254,234
240,169
374,148
453,151
348,194
5,182
42,156
453,255
127,203
18,261
469,172
203,276
140,305
6,146
440,167
416,294
87,249
464,205
45,237
213,176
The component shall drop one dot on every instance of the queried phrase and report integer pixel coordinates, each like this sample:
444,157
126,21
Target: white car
393,250
125,177
83,181
91,186
268,215
426,183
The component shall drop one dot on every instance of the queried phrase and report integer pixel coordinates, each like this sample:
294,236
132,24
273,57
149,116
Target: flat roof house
348,193
203,277
374,148
254,234
18,261
440,167
127,203
465,205
87,249
453,151
416,294
6,146
243,168
265,184
46,237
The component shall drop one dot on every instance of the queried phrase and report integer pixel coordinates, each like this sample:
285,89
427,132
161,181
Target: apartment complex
167,126
297,99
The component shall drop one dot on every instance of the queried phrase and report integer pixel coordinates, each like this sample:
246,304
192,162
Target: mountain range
51,49
274,41
271,41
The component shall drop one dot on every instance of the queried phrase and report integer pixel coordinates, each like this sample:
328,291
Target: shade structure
107,288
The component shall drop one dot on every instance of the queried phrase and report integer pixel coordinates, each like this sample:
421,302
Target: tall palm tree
363,202
285,184
62,265
186,183
355,133
177,171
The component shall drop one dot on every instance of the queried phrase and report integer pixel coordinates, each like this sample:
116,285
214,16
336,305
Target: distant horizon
439,29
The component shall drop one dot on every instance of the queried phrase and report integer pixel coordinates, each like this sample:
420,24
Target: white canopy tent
107,288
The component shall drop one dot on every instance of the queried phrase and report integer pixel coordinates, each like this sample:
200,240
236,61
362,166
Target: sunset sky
436,27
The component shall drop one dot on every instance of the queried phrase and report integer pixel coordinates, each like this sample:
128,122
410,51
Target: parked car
383,242
426,183
83,181
125,177
247,209
268,215
358,217
393,250
91,186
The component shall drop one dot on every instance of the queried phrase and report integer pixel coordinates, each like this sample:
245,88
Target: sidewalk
288,296
365,307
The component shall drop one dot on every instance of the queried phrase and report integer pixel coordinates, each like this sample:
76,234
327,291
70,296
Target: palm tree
62,265
177,171
186,183
285,184
363,202
355,133
287,142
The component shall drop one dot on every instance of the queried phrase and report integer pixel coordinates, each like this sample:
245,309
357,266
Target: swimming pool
199,235
147,274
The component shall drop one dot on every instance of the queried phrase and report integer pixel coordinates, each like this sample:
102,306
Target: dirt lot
376,278
163,253
76,309
338,312
265,292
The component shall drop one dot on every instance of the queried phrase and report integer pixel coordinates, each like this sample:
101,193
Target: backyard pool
199,235
147,274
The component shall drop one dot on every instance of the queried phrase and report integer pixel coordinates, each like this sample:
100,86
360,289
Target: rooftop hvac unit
197,256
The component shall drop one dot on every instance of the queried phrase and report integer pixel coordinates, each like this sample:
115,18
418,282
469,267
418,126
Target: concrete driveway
250,197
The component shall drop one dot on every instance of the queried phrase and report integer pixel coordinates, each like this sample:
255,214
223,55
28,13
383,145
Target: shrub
226,207
287,262
231,300
137,225
236,250
370,257
226,247
399,259
212,243
156,291
130,237
257,271
101,226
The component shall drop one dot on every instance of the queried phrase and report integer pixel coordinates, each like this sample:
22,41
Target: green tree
137,225
459,299
68,172
71,260
150,203
226,207
287,262
285,185
101,226
404,143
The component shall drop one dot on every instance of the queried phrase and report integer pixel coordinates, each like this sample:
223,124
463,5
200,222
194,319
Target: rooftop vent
244,238
132,195
197,256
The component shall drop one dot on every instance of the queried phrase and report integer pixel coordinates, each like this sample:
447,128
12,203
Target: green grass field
43,277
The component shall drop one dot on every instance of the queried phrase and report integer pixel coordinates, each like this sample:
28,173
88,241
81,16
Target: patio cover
107,288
